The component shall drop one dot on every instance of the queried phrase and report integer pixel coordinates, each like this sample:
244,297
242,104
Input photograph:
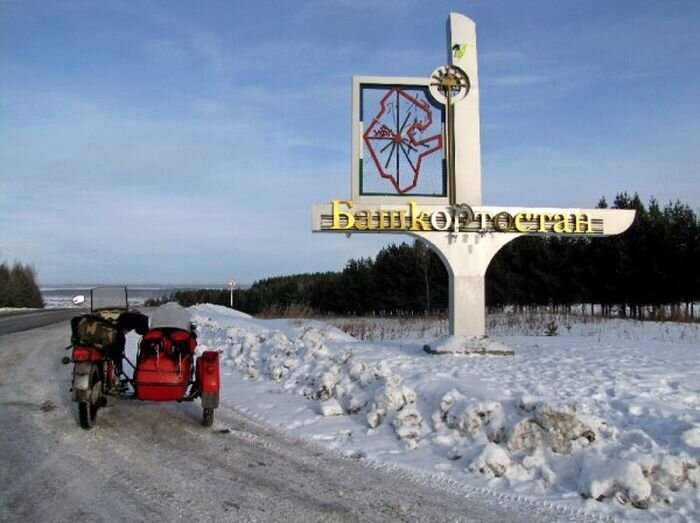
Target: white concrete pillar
467,311
461,41
466,257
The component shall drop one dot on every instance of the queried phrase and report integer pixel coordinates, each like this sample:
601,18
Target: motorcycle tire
87,410
207,417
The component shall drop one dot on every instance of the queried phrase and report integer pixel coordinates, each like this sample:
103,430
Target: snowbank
567,419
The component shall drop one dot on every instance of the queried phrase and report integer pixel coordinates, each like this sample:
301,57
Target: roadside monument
416,169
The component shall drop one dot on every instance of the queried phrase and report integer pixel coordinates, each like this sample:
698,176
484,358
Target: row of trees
653,265
18,286
401,279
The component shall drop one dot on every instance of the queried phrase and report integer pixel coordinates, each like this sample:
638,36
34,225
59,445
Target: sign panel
410,217
398,141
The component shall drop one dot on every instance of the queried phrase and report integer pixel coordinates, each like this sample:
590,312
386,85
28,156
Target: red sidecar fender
208,372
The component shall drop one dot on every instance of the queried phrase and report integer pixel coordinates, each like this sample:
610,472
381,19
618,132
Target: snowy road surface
155,462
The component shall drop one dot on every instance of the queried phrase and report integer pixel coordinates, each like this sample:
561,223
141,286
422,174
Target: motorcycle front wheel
87,410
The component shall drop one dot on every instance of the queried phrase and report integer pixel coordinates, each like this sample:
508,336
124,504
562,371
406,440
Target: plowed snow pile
591,422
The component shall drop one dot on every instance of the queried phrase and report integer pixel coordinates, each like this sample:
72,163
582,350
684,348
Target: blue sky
185,142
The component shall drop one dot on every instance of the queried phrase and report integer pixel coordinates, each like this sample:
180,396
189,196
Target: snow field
526,324
585,420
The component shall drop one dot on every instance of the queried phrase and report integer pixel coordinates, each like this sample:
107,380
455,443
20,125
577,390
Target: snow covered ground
603,418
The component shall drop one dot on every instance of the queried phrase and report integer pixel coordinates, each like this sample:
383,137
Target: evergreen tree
18,287
4,285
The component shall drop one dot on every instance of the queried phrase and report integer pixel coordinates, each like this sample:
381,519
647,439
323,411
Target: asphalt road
154,462
17,321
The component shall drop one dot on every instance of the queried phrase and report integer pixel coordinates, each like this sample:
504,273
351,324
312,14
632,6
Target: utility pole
231,284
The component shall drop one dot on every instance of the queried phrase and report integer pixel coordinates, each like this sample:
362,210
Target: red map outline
383,132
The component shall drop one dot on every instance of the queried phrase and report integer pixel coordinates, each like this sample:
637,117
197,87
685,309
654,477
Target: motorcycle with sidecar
167,366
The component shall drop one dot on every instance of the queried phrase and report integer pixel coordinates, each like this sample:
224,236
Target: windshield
108,298
171,315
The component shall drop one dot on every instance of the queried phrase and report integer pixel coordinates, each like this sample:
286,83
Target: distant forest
650,271
18,286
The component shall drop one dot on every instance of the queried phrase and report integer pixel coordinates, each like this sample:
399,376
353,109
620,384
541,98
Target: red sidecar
167,368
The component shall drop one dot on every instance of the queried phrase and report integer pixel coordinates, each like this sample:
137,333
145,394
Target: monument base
477,345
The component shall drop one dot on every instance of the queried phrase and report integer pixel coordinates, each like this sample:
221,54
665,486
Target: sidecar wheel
207,417
87,410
